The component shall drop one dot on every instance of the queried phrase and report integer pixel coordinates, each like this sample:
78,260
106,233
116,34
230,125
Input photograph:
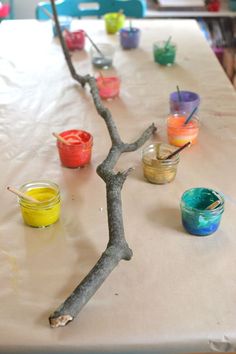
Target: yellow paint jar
47,211
155,168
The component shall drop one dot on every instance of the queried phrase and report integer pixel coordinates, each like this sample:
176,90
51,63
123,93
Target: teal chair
131,8
98,8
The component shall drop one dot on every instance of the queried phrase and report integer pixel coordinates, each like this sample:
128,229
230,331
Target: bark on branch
117,248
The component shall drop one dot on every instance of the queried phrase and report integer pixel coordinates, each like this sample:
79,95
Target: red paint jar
75,40
108,87
213,5
78,152
4,10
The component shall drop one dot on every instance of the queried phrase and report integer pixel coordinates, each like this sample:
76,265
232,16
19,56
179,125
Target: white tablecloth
178,293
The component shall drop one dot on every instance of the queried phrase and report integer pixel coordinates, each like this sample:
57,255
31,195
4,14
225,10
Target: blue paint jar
65,23
196,218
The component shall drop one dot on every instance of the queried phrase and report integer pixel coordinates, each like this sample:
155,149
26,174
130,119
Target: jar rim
104,45
44,183
108,80
195,118
113,15
153,146
218,209
63,134
161,43
182,114
174,96
129,30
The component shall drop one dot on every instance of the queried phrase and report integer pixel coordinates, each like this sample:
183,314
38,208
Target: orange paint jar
79,150
180,133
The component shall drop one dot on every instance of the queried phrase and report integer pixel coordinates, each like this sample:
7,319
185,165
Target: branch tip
154,127
60,321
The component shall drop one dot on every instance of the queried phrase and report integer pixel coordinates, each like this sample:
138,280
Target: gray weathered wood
117,247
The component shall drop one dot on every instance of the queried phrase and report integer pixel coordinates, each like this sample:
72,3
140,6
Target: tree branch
117,247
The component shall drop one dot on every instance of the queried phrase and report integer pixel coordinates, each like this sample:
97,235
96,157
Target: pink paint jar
108,87
75,40
79,149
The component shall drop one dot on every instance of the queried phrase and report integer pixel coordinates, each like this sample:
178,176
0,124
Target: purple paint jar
129,37
185,103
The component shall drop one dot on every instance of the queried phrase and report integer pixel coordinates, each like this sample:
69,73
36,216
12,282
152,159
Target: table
178,293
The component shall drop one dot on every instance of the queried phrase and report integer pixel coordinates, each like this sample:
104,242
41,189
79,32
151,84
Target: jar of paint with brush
182,128
183,101
201,211
75,148
114,21
64,22
75,40
102,55
130,37
157,167
164,52
108,87
44,208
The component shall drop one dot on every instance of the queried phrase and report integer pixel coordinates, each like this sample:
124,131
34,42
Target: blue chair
98,8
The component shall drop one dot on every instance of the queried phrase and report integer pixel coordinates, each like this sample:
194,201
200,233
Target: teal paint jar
197,219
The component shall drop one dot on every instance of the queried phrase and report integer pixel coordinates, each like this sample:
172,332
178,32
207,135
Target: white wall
24,8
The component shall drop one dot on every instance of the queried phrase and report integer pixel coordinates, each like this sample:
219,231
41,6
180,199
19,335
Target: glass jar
155,168
164,53
45,213
108,87
180,133
196,218
114,21
103,57
78,153
74,40
64,22
130,37
183,102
